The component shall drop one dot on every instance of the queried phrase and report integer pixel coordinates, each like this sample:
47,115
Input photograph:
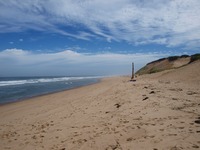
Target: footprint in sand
162,129
195,146
145,98
130,139
197,121
152,92
117,105
191,93
177,89
80,141
59,129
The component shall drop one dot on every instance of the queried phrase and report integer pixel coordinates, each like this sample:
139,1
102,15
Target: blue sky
93,37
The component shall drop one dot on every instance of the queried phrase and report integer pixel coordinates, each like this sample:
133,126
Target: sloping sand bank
158,111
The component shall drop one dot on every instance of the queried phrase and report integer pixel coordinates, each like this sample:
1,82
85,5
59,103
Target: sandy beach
159,111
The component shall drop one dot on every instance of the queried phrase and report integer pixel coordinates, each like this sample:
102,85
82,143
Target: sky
93,37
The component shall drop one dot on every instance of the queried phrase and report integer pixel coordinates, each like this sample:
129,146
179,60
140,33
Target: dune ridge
168,63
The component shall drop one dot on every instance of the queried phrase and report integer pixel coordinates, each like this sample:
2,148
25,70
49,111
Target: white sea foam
42,80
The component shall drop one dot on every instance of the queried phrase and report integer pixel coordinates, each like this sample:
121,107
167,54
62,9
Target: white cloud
17,62
172,22
21,40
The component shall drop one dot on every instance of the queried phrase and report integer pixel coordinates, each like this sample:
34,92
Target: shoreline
48,93
151,113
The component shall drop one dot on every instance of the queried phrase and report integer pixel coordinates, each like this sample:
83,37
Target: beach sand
157,112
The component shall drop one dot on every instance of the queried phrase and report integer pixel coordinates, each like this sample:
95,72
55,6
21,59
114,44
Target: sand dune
158,111
171,62
188,73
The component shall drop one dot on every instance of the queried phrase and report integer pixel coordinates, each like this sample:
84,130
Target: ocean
19,88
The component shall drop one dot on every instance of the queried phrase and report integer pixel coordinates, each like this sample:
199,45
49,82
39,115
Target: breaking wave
42,80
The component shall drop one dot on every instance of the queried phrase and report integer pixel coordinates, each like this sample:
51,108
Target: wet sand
158,111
